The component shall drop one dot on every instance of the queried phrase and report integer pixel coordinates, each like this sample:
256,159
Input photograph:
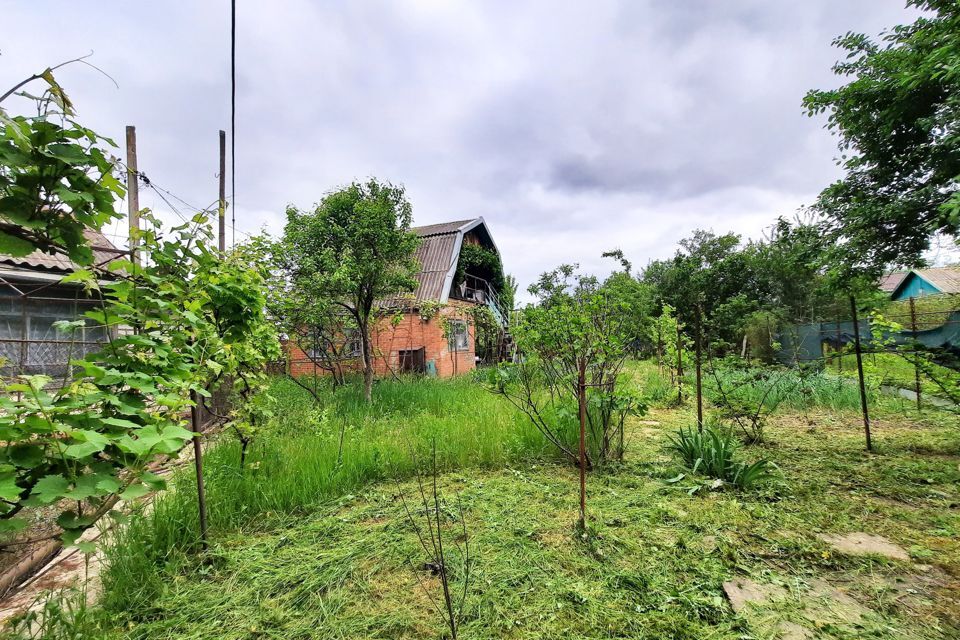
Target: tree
353,250
573,343
508,297
898,121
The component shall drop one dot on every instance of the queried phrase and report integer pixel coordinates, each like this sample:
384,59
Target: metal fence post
863,388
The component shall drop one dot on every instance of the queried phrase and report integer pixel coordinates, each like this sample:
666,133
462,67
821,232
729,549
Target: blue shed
927,282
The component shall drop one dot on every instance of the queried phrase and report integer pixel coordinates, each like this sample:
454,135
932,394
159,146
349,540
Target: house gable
927,282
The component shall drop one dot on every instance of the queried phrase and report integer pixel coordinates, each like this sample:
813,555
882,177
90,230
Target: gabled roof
947,279
944,279
438,254
103,252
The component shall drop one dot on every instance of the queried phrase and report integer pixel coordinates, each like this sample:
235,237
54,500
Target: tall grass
786,388
309,454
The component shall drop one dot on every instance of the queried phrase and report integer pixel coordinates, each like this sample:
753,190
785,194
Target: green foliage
308,454
578,328
176,325
670,345
897,121
712,452
634,301
508,297
353,250
93,438
56,180
488,333
482,262
733,284
767,388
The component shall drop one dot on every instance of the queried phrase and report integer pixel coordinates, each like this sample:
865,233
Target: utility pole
133,193
222,209
863,388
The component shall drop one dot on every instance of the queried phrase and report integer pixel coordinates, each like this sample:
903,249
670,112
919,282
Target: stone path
865,544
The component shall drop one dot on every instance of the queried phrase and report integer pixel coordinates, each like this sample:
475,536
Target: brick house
430,331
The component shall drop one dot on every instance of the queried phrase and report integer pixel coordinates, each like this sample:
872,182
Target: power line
233,119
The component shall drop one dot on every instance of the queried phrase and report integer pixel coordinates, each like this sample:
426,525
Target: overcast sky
571,127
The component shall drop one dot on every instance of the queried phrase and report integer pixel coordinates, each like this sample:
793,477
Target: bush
712,452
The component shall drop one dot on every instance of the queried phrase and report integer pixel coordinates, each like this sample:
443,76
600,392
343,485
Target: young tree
573,343
898,121
354,249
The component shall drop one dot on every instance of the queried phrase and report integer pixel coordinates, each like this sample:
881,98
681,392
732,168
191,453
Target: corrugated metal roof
947,279
440,228
41,261
436,257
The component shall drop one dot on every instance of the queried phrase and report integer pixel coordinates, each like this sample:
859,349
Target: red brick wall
410,333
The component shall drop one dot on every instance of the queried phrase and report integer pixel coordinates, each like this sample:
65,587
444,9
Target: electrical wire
233,120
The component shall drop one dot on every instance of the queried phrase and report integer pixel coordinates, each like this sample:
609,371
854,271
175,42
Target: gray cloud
572,127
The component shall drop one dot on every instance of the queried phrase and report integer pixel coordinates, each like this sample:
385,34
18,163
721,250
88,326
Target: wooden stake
222,208
582,402
133,193
198,464
916,355
699,378
839,347
863,388
679,366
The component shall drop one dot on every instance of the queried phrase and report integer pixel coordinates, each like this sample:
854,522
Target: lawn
341,560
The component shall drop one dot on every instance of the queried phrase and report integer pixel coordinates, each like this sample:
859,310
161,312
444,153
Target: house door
412,361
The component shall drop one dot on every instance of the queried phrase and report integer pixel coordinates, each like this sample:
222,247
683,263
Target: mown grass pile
309,454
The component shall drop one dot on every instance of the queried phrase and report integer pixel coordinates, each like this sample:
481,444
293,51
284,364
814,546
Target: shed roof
104,251
945,279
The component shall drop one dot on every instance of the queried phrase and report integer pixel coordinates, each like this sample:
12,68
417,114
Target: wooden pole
679,366
839,348
863,388
699,378
133,193
582,402
916,354
222,208
198,464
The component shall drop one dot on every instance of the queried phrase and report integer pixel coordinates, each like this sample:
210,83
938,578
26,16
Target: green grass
653,568
891,369
296,463
302,548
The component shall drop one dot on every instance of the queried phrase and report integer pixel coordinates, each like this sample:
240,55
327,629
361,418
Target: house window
31,343
459,337
354,346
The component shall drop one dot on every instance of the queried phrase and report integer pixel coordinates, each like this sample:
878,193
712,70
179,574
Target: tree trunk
367,362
